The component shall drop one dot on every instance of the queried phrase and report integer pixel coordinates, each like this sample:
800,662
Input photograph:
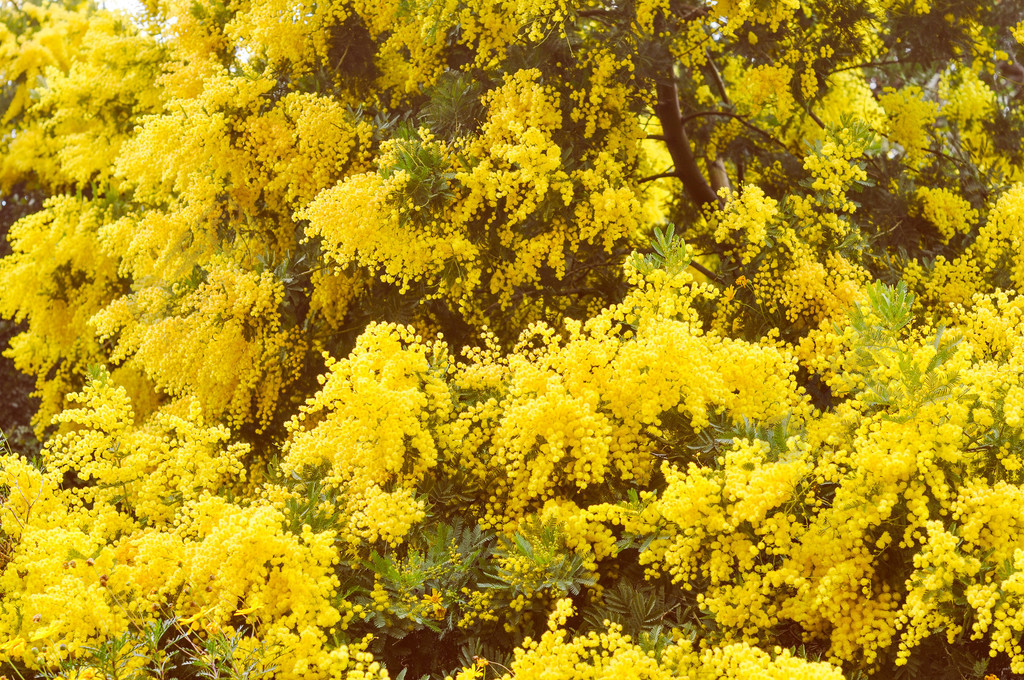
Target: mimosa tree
603,339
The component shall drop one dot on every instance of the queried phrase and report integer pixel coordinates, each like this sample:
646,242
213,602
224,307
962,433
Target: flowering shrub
483,340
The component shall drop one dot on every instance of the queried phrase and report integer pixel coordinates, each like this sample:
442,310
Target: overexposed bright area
129,6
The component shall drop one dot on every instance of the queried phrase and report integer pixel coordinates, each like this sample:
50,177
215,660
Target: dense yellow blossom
514,340
227,316
53,34
909,117
951,214
375,450
610,654
998,244
79,279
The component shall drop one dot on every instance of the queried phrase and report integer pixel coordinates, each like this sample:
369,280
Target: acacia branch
865,64
716,168
604,15
704,270
660,175
687,170
818,121
565,292
735,116
883,62
716,76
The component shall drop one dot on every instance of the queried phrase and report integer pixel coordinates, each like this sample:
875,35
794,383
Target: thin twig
661,175
735,116
704,270
815,118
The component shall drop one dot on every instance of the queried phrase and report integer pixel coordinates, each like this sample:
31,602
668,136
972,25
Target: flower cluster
370,427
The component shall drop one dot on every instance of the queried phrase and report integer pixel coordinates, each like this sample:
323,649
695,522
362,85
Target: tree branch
735,116
716,76
818,121
667,110
718,176
716,169
704,270
663,175
884,62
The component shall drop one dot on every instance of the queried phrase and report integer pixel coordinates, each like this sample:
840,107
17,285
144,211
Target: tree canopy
537,339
